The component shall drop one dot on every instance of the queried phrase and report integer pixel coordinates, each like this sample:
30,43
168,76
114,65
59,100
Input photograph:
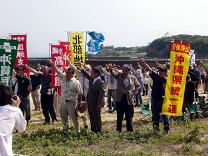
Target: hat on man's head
138,71
162,69
126,66
96,70
87,65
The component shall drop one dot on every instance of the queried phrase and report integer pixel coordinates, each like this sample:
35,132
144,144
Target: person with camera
11,118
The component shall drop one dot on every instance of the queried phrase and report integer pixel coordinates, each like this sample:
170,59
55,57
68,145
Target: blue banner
95,43
96,36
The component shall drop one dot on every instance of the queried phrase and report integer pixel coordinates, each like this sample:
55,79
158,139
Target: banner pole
86,46
49,53
69,52
68,33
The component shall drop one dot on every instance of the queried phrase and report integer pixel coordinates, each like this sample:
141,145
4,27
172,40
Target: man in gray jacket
127,86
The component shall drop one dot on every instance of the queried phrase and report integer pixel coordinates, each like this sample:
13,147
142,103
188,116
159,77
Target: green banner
8,53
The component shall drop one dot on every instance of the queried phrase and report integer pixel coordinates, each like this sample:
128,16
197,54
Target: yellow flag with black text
77,46
175,86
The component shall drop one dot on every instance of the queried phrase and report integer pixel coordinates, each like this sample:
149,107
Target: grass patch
185,138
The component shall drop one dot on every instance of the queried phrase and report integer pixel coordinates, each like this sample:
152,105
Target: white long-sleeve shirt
111,81
82,79
10,118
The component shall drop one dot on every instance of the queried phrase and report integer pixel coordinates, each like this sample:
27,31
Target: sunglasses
69,72
21,69
126,69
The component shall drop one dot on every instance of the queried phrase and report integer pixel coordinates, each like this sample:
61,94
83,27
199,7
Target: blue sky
124,22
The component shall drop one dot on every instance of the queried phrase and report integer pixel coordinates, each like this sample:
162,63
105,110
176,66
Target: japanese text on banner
8,53
66,52
77,48
57,59
21,58
175,86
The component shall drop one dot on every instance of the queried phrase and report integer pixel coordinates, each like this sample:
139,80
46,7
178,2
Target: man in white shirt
70,98
10,117
111,83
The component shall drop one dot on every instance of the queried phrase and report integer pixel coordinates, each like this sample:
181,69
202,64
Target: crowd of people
84,89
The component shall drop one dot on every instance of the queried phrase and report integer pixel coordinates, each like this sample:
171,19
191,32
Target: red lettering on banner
177,79
179,59
175,90
178,69
172,108
173,99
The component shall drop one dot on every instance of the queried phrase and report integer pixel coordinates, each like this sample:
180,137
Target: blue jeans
156,110
111,93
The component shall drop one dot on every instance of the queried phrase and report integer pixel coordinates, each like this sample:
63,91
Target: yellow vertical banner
77,46
176,82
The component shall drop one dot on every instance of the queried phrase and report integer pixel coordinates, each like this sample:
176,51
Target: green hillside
160,47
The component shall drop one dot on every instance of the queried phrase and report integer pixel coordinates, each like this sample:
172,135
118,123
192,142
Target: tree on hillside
160,47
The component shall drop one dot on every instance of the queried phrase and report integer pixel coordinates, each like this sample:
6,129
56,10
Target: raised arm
32,70
78,72
59,74
53,66
115,73
157,63
86,74
206,70
87,68
132,70
103,70
145,65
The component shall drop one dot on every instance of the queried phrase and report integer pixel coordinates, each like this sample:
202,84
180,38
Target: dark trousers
95,119
203,79
156,110
25,107
145,90
139,98
47,107
111,93
122,108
